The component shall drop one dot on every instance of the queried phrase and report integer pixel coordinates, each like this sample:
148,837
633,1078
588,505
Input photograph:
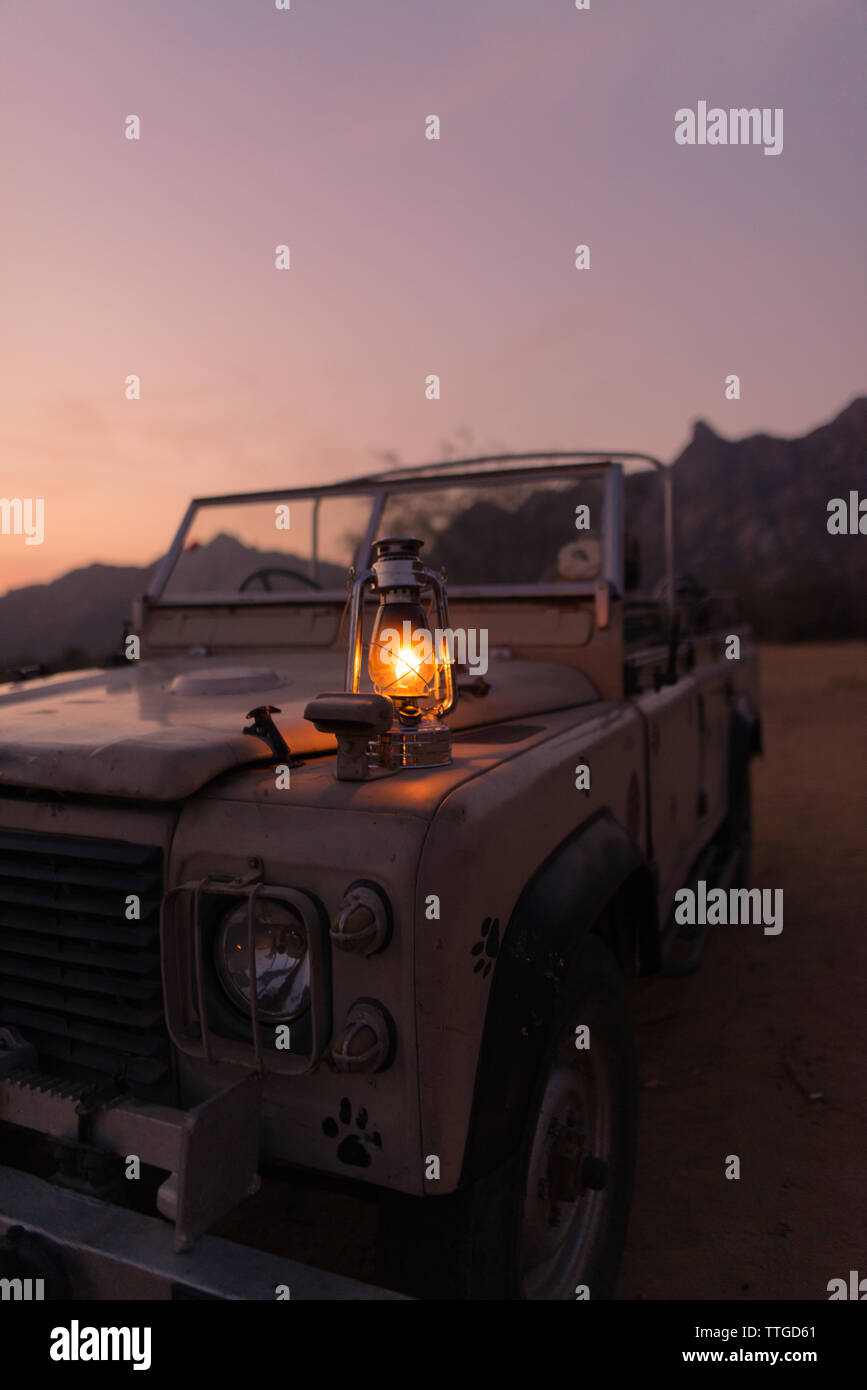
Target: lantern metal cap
394,547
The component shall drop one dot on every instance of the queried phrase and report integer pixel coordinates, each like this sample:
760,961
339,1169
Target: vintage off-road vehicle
350,884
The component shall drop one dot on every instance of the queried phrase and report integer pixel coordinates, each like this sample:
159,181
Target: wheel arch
596,880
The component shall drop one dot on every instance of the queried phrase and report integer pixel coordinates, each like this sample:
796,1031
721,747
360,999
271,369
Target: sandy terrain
731,1055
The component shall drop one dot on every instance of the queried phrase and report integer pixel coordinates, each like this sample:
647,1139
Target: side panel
673,738
689,737
713,716
729,697
485,844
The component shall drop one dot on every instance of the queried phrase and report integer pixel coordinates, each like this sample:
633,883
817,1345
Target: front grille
82,982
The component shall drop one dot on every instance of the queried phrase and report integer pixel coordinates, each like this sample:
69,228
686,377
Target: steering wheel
274,569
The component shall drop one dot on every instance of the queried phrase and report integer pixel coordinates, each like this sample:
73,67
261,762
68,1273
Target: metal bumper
106,1251
210,1152
111,1253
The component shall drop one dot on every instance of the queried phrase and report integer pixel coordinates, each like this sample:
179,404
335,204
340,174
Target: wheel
553,1217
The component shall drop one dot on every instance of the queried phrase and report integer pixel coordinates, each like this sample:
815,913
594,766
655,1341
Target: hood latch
263,727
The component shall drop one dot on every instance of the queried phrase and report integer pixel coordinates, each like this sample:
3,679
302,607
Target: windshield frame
432,477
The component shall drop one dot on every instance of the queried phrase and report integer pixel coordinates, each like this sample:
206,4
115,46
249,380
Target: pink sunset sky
409,257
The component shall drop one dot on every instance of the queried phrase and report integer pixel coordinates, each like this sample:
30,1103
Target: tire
536,1228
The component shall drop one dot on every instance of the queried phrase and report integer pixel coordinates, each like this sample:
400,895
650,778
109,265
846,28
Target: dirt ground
760,1054
731,1055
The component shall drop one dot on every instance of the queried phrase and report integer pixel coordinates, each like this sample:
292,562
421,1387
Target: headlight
282,962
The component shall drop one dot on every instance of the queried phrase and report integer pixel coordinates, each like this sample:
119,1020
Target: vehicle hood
161,730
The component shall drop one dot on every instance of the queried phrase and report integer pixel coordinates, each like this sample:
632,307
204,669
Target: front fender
563,901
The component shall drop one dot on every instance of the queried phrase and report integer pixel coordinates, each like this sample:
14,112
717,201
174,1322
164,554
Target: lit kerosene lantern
408,664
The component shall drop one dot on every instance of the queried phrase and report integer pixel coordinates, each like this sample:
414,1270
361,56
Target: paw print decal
352,1147
490,944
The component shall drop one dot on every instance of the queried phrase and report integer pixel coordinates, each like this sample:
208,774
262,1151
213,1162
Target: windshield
294,546
543,531
485,530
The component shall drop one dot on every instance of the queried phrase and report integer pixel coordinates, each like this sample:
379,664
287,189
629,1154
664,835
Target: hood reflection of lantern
408,664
